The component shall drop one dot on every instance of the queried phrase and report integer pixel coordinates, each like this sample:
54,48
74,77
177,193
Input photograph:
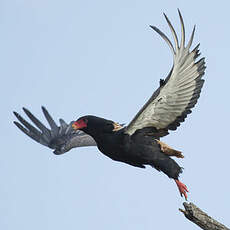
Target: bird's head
93,125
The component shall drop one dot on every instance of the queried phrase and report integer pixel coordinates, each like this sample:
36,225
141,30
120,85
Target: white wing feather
167,108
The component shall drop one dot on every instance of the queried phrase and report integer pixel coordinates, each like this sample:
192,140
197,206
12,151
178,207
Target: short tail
167,166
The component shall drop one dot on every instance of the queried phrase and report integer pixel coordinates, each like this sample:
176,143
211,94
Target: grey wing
172,101
60,138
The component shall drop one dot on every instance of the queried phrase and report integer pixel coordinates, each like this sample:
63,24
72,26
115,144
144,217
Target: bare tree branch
200,218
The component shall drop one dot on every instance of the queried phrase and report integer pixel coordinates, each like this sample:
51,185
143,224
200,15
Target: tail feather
167,166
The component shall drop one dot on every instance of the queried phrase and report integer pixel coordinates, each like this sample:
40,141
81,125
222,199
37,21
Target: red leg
182,189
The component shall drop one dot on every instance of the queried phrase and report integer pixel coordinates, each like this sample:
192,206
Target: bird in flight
137,144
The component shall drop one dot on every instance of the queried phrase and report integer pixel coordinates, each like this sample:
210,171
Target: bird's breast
114,146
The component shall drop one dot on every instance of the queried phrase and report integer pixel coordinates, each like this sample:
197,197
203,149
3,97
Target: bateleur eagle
137,144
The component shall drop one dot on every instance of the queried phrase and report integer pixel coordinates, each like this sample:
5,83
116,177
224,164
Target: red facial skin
79,124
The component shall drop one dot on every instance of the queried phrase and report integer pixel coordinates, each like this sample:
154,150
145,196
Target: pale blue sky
100,57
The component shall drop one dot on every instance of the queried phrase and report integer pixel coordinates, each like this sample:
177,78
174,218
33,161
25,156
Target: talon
182,189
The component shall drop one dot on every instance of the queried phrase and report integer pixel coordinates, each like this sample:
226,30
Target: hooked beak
79,125
75,126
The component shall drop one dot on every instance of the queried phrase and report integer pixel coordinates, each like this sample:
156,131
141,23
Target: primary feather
60,138
173,100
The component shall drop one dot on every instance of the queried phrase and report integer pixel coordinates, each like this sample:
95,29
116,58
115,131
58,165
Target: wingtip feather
164,37
26,111
15,113
182,29
172,31
191,38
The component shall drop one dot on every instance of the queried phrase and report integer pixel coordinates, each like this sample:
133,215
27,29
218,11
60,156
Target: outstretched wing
60,138
178,93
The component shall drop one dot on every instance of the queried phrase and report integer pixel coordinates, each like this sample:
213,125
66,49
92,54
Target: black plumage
138,143
138,150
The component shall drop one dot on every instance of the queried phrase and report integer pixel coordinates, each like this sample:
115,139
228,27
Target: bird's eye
85,120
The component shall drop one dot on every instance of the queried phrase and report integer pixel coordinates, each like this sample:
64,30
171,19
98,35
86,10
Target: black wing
172,101
60,138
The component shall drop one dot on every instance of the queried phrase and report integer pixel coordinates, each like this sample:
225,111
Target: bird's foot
182,189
